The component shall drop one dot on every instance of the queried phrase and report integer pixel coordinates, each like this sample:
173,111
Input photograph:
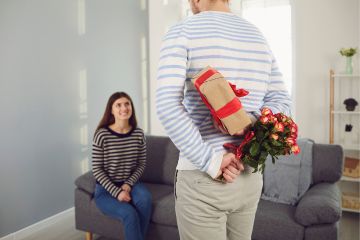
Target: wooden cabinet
345,131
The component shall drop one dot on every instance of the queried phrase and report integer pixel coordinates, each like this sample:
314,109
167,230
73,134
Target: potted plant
348,53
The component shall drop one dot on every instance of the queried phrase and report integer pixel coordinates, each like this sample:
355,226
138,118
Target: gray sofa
316,216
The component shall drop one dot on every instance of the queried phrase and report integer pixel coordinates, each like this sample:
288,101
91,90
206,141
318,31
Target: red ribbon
229,108
237,150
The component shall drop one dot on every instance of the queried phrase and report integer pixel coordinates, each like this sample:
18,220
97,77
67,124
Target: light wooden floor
64,230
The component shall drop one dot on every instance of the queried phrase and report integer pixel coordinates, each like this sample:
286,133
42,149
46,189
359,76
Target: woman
118,161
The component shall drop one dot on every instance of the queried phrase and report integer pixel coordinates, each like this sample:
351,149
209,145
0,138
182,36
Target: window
273,18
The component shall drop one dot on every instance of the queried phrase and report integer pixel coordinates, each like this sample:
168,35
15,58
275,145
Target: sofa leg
89,236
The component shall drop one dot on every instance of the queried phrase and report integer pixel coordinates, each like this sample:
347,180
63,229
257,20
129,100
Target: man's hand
230,167
232,171
124,197
126,187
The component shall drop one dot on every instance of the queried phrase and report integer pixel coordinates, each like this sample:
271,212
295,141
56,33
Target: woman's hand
124,197
126,187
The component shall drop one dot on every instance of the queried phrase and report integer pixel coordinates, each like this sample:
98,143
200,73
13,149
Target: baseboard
26,232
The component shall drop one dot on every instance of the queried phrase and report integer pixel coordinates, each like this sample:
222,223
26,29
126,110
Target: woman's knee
141,192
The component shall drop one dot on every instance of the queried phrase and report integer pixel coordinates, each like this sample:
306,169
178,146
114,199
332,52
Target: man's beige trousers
212,210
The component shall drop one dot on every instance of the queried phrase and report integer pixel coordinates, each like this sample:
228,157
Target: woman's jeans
134,215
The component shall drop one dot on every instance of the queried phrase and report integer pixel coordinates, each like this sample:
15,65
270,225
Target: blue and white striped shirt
238,50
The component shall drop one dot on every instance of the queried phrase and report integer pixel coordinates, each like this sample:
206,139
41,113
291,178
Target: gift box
222,98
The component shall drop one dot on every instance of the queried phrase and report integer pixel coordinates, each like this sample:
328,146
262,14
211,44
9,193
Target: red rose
273,119
295,149
274,136
293,128
266,112
264,119
291,141
284,118
279,127
278,116
294,135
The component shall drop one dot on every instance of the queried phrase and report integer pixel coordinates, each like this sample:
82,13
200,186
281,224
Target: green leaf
263,156
254,149
259,135
275,143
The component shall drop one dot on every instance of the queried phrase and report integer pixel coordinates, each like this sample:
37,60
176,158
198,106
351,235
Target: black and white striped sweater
118,158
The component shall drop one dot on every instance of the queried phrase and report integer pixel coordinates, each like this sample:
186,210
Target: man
205,208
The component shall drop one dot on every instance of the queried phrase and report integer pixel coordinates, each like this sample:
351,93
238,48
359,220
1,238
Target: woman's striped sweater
118,158
238,50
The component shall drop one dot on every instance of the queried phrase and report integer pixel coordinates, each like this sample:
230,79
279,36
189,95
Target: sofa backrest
327,163
162,158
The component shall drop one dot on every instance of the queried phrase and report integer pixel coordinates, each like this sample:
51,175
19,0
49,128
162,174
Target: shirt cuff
215,163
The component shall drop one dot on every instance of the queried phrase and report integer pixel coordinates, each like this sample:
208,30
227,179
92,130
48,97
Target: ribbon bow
237,150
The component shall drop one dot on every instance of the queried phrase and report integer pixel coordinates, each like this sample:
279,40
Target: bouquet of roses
272,134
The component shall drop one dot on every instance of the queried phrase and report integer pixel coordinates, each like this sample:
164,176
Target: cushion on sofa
161,160
164,211
322,232
159,190
320,205
86,182
275,221
290,177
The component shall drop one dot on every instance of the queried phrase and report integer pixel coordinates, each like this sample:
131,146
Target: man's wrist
215,163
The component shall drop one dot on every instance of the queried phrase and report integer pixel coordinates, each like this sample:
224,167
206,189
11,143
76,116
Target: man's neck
218,6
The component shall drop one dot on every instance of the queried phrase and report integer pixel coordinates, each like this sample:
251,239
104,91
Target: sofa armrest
327,163
321,204
86,182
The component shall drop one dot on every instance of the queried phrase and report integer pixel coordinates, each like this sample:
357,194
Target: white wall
321,28
59,62
162,14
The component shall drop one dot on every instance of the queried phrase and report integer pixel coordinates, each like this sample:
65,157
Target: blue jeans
134,215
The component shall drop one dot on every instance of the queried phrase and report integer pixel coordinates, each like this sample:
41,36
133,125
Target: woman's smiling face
121,109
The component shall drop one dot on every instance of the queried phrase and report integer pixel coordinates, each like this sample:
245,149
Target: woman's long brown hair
109,119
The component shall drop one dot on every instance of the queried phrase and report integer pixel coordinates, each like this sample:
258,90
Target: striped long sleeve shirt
118,158
239,51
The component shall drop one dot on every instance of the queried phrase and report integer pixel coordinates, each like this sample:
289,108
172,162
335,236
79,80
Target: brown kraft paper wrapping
218,93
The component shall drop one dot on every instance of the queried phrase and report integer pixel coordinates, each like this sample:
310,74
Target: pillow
290,177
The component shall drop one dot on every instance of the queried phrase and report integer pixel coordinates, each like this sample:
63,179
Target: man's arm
170,109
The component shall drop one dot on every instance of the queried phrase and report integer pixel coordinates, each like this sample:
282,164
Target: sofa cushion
275,221
163,211
86,182
162,157
158,191
320,205
290,177
323,232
